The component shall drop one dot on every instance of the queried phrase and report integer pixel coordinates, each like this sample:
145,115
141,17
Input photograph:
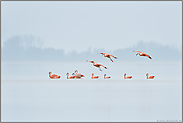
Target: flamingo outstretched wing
113,56
137,51
148,56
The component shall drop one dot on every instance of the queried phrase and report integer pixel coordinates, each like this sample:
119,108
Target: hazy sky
79,25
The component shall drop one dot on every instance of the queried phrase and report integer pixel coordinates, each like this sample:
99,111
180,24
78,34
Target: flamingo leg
111,59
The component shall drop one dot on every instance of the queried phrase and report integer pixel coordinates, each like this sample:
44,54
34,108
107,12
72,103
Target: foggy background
29,48
76,30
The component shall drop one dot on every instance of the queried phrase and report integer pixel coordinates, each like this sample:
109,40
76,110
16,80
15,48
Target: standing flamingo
128,77
108,56
94,77
54,76
106,77
97,65
142,54
77,75
149,77
70,77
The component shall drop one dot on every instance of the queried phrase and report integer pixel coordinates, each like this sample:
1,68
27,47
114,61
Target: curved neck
49,74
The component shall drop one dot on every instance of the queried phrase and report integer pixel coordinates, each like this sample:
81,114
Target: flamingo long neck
147,76
67,76
76,72
49,74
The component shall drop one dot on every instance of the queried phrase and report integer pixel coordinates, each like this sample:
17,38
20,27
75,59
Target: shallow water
34,97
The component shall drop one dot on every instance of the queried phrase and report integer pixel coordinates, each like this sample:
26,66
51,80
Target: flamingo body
78,75
106,77
108,56
142,54
54,76
70,77
149,77
127,77
97,65
94,77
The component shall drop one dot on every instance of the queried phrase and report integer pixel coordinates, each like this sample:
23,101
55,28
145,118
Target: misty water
29,95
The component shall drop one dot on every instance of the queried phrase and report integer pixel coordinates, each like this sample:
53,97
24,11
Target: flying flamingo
77,75
53,76
128,77
142,54
106,77
108,56
70,77
94,77
149,77
97,65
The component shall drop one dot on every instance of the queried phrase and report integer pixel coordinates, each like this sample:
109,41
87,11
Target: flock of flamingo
76,75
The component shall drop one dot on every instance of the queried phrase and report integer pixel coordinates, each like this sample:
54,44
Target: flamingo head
147,74
67,73
125,74
50,72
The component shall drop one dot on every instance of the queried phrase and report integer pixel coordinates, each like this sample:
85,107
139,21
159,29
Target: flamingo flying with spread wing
149,77
54,76
108,56
142,54
97,65
77,75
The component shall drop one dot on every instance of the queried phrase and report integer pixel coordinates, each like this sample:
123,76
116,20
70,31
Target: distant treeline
16,49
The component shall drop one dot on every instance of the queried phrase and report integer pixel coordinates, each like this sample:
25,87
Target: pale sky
76,26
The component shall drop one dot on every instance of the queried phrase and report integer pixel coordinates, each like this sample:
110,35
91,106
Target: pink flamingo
97,65
149,77
128,77
94,77
106,77
142,54
70,77
108,56
77,75
54,76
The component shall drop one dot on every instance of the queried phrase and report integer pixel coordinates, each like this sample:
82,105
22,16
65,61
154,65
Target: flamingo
108,56
97,65
142,54
54,76
106,77
149,77
94,77
128,77
70,77
77,75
